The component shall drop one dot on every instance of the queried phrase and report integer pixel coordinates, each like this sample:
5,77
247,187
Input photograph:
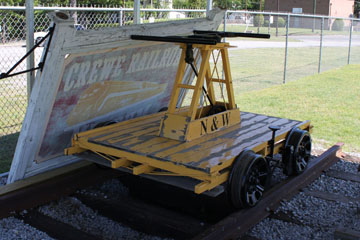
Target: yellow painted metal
212,123
168,166
147,164
121,162
196,122
208,185
144,168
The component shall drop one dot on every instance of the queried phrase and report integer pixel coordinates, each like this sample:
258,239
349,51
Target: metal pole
137,12
120,17
314,10
269,24
286,46
351,29
29,11
225,17
208,7
277,19
321,43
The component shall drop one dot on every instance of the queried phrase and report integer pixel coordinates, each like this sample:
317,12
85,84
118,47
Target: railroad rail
135,213
50,186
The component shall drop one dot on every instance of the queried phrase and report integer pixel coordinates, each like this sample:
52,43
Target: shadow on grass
7,150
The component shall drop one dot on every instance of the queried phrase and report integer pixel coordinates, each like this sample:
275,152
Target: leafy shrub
338,25
258,20
281,22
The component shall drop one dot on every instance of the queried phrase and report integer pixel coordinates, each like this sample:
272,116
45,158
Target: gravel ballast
71,211
319,218
13,228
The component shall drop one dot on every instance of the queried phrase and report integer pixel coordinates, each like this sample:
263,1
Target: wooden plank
331,196
286,217
343,175
346,234
186,86
54,228
42,177
221,135
144,168
125,129
215,148
134,137
218,152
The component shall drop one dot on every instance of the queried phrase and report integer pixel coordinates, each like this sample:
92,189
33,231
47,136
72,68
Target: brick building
334,8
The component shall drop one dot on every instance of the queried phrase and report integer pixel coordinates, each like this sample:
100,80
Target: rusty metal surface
238,223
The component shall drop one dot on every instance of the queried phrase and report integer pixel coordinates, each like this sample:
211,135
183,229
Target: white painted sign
297,10
93,76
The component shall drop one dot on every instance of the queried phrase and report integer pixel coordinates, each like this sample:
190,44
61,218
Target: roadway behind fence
300,45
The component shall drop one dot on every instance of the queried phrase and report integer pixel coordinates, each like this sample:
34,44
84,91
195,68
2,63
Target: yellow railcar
208,146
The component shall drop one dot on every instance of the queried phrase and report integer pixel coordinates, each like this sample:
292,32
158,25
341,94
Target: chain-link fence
300,45
13,96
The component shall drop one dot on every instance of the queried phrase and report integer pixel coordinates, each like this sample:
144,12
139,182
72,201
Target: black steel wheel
297,151
248,179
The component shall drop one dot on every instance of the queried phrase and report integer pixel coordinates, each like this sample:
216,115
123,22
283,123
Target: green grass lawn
281,30
330,100
254,69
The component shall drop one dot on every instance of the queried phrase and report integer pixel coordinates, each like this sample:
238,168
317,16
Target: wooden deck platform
208,154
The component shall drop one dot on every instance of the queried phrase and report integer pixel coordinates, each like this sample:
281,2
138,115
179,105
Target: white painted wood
29,44
84,41
40,103
66,40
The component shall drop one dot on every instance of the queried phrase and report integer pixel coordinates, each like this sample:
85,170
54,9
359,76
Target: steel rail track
48,187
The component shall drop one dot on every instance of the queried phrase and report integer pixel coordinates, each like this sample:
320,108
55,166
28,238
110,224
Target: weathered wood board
141,137
94,76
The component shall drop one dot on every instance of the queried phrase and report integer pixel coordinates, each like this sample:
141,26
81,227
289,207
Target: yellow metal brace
198,120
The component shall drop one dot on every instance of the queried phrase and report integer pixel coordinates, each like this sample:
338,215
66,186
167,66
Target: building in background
333,8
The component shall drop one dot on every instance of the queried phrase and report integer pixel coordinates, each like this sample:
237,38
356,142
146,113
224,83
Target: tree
239,4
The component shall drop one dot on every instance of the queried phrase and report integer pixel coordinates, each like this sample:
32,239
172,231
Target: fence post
350,38
136,12
286,46
29,11
269,24
321,43
120,17
208,6
225,17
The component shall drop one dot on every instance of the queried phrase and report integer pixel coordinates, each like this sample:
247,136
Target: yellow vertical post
205,55
209,84
178,80
227,72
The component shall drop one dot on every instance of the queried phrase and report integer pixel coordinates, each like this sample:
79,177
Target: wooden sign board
94,76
